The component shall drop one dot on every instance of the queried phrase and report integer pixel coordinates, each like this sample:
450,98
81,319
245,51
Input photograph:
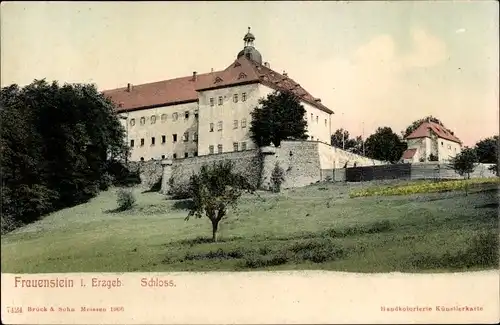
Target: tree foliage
465,162
278,117
487,150
340,139
385,145
214,190
56,143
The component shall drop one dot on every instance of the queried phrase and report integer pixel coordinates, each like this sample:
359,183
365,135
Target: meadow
318,227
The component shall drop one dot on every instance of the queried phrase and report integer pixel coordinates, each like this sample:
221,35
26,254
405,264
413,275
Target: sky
373,63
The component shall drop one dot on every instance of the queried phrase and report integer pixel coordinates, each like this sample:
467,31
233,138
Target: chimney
267,65
318,100
285,74
194,75
212,70
129,87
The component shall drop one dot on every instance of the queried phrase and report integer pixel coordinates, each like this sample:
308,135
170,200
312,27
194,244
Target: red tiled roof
241,71
165,92
409,153
425,129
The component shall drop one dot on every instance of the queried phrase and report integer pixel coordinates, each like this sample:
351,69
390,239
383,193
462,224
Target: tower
249,50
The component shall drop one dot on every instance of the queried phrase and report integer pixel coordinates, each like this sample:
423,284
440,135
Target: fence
401,171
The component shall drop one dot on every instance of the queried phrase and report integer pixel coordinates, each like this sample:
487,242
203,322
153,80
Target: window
186,115
235,146
196,114
185,137
195,153
325,122
316,118
153,119
132,143
235,98
243,97
243,146
152,141
220,100
143,120
132,122
211,127
174,137
312,138
243,123
162,156
195,136
142,158
163,117
219,148
186,155
219,126
449,147
442,143
175,116
312,117
174,156
211,149
212,101
142,142
235,124
163,138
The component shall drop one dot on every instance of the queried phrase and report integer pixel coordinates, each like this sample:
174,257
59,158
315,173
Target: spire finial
249,29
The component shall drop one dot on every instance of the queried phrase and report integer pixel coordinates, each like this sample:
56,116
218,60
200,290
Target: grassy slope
154,236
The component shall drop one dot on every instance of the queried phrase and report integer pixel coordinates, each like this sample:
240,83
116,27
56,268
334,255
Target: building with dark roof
208,113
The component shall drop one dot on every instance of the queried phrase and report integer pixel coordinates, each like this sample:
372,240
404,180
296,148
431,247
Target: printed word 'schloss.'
95,282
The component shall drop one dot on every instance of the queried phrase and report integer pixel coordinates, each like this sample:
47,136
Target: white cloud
460,30
428,50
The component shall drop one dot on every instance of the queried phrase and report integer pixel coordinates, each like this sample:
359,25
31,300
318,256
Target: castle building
431,139
208,113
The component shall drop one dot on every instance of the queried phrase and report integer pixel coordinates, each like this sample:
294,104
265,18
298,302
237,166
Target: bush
105,182
125,199
277,178
9,223
178,191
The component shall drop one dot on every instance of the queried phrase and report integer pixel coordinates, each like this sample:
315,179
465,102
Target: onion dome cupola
249,50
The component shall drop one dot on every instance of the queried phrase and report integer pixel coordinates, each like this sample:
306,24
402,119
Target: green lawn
317,227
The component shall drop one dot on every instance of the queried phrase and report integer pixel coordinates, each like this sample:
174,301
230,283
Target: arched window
132,122
153,119
163,117
143,120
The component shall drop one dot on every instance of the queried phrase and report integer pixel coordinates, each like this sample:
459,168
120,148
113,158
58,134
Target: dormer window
242,76
218,79
237,64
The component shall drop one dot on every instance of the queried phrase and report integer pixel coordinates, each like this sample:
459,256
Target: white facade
168,131
442,148
218,122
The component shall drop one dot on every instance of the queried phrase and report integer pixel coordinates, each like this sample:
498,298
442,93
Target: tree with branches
214,190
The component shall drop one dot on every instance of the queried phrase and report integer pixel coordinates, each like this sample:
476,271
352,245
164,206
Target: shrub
277,178
105,181
125,199
9,223
179,191
433,157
